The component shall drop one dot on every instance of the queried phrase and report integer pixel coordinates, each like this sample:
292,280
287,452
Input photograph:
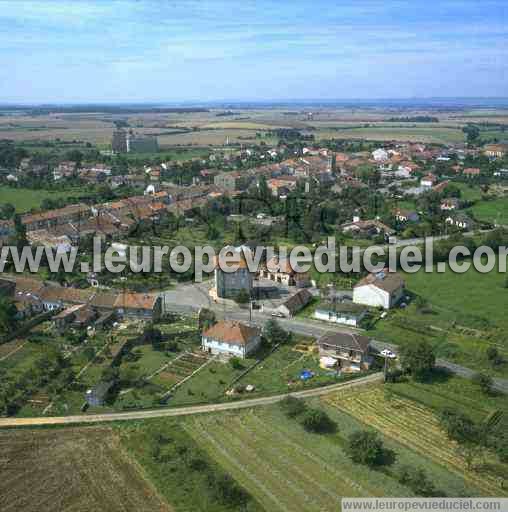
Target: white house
460,221
428,181
380,155
383,289
344,313
231,339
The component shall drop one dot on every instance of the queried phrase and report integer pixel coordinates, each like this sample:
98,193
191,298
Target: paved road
183,411
198,297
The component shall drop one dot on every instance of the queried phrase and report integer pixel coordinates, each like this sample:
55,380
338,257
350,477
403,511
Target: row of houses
346,352
32,296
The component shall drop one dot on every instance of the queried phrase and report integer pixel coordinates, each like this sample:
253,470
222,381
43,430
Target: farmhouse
347,352
383,289
231,339
281,271
294,304
346,313
138,306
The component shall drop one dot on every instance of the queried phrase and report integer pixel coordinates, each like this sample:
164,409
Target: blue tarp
306,375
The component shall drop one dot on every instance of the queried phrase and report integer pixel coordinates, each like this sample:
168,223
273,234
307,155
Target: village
292,358
421,190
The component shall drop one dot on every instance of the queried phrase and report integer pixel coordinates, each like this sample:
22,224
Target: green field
434,134
25,199
494,211
466,314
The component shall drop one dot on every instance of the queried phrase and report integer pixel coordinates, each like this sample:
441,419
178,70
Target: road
183,411
190,298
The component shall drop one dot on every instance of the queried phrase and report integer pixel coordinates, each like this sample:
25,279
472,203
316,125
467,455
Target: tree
292,406
274,333
365,447
484,382
8,313
459,427
494,356
152,335
417,480
418,359
7,211
242,297
317,421
472,133
206,318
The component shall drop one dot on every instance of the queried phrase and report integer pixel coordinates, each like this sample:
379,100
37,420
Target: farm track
413,426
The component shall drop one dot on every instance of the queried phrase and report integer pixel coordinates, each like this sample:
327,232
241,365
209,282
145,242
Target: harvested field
71,470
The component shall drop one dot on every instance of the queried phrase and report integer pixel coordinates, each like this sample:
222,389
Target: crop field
417,427
277,466
83,470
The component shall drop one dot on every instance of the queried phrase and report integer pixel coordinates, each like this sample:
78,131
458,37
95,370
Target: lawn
24,199
417,427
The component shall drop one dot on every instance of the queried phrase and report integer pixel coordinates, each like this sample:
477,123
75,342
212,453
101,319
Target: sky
205,50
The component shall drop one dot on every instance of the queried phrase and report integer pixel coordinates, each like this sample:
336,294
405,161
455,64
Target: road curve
182,411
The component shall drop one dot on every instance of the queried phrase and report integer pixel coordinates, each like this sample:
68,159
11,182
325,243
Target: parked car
278,314
388,353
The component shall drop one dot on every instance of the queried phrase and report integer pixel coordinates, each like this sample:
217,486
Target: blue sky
176,51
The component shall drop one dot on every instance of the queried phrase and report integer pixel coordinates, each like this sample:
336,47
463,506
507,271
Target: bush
365,447
417,480
292,407
460,427
484,382
236,363
317,421
418,359
228,491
